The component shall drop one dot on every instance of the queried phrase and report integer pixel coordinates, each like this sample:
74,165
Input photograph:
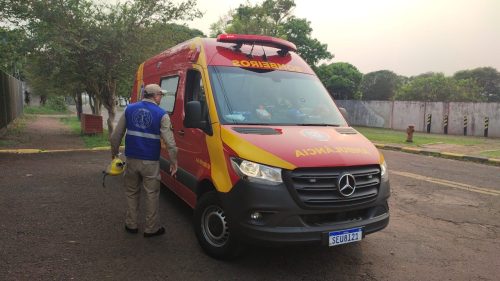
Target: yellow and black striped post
429,119
486,123
465,125
445,123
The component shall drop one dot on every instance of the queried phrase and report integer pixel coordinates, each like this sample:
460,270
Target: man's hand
173,169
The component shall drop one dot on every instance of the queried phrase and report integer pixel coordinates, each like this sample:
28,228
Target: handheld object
115,168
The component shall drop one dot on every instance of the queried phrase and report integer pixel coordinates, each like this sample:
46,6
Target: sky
408,37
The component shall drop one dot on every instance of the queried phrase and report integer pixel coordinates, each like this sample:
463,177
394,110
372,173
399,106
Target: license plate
344,236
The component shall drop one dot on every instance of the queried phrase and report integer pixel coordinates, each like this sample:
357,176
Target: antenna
264,56
251,51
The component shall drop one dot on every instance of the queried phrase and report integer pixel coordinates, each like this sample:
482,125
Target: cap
153,89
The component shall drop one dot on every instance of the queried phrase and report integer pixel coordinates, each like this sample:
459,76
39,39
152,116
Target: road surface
59,223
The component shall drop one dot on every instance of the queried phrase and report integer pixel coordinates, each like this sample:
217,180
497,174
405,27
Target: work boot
131,230
160,231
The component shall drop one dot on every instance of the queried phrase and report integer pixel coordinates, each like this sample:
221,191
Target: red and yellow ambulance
265,156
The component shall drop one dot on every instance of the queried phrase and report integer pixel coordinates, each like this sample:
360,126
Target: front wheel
213,230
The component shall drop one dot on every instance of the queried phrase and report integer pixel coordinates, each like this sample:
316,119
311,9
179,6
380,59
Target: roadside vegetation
387,136
480,146
15,129
491,153
91,141
55,105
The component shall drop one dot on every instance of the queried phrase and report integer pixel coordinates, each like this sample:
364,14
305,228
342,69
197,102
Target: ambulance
264,154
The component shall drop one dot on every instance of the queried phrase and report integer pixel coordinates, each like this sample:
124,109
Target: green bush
57,103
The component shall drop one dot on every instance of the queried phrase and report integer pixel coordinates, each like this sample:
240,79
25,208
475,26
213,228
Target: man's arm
168,136
117,136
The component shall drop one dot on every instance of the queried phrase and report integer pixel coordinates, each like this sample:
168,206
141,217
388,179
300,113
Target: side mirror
193,115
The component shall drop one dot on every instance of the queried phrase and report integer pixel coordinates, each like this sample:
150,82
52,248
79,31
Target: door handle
181,132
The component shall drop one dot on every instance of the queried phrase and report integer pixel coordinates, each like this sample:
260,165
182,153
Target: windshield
255,96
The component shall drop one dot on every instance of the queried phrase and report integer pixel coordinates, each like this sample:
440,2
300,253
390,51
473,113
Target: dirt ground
43,132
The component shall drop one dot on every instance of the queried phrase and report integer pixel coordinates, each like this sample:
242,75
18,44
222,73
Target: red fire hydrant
409,131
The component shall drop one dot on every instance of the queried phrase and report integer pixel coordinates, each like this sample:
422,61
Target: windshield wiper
319,124
256,124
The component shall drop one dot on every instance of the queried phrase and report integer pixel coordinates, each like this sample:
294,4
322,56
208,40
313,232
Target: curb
448,155
34,151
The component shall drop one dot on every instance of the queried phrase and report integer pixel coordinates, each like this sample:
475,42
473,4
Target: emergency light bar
263,40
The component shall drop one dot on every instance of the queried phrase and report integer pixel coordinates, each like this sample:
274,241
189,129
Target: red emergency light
263,40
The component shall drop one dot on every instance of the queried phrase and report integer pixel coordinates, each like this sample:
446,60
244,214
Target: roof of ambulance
225,54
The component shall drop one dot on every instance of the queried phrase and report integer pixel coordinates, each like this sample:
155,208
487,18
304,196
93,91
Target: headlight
383,170
255,172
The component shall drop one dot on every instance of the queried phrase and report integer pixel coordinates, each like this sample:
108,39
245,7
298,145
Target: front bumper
285,221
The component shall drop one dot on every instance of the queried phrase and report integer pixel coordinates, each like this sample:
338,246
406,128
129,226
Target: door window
169,84
195,91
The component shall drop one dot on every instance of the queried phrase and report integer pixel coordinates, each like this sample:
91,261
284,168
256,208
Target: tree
274,18
437,87
487,78
341,79
380,85
13,49
93,47
311,50
221,24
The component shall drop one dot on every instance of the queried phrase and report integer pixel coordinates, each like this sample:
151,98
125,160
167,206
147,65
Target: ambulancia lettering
312,151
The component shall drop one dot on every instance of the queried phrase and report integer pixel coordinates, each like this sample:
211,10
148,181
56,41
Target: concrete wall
370,113
399,115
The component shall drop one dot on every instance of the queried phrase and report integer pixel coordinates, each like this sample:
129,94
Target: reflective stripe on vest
143,135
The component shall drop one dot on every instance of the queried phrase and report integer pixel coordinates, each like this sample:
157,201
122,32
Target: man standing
144,123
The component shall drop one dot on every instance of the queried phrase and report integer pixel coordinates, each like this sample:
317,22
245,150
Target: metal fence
11,99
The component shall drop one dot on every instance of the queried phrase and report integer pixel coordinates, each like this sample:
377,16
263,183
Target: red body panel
313,146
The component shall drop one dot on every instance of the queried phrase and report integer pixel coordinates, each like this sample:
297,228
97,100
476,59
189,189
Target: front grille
317,187
345,217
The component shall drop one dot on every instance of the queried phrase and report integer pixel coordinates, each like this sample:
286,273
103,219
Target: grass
14,129
43,110
491,153
4,143
387,136
19,124
90,141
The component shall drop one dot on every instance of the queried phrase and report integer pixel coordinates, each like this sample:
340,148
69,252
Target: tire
212,229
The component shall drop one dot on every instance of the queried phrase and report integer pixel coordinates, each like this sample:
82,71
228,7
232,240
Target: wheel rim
214,226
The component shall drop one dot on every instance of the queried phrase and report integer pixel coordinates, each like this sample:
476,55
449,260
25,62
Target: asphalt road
59,223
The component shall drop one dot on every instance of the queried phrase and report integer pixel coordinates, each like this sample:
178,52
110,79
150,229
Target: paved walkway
42,132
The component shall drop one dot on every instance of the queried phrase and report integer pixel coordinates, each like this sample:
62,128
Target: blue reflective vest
142,140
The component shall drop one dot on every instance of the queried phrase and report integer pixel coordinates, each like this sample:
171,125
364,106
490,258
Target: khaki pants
147,172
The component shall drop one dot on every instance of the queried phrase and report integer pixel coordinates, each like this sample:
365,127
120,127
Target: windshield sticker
312,151
315,135
266,65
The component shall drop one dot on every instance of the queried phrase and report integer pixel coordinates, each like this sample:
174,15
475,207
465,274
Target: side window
195,91
169,84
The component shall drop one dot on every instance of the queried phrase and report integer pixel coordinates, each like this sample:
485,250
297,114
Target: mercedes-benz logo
346,184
